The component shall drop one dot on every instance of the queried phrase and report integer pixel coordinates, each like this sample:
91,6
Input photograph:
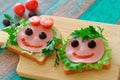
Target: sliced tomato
31,5
35,20
47,22
19,9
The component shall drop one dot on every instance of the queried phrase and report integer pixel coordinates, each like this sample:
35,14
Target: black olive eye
6,22
91,44
42,35
74,43
28,31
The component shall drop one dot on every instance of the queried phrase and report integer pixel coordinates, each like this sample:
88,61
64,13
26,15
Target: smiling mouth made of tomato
82,56
29,45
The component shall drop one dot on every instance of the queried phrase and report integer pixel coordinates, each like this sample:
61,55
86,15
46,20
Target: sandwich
35,39
85,49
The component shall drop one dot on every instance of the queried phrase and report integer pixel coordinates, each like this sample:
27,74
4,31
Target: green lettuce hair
88,33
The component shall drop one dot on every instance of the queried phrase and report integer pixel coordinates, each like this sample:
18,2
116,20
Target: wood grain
28,68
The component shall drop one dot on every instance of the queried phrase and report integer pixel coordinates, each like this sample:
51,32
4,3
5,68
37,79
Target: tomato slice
46,22
31,5
35,20
19,9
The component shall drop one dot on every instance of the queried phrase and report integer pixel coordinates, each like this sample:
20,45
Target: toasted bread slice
68,71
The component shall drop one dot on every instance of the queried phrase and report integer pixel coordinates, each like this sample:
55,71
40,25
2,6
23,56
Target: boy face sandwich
36,39
85,49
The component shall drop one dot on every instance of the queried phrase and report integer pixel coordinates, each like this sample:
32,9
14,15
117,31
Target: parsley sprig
88,33
52,45
12,20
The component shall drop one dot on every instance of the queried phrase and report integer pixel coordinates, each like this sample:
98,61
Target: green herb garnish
51,46
7,16
12,20
88,33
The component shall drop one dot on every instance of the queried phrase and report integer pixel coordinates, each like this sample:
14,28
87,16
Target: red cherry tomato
31,5
19,9
47,22
35,20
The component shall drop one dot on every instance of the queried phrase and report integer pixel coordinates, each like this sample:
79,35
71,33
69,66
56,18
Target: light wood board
28,68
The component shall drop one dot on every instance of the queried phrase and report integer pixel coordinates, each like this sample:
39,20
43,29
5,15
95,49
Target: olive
32,14
6,22
74,43
28,31
42,35
92,44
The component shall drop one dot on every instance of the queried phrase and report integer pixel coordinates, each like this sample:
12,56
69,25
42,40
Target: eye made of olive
42,35
28,31
92,44
75,43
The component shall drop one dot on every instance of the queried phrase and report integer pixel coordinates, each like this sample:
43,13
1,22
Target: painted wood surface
106,11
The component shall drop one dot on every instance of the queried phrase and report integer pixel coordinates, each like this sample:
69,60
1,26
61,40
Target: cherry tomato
19,9
47,22
31,5
35,20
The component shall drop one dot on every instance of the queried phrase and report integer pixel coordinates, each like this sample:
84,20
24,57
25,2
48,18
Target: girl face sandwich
85,49
34,40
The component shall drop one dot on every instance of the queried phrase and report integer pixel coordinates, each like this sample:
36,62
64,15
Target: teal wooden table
107,11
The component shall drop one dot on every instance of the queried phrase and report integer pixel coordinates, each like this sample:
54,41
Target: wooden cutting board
28,68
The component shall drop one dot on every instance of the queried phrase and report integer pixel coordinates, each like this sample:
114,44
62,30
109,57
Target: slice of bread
37,57
68,71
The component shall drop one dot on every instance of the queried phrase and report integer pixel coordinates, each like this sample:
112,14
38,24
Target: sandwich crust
39,60
68,71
